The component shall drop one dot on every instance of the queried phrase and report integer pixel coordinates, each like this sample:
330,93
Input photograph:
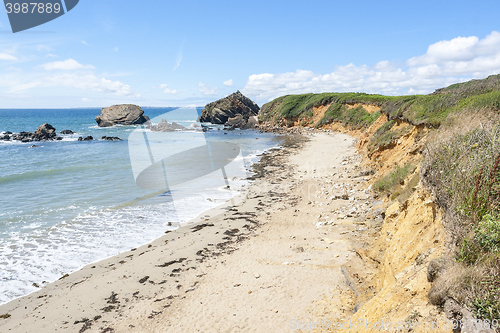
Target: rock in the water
111,138
236,122
45,132
252,122
67,132
123,114
240,122
88,138
165,126
235,104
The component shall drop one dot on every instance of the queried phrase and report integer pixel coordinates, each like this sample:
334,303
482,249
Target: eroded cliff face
411,236
412,232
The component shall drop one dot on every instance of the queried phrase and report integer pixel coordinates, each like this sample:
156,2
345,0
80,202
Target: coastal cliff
429,153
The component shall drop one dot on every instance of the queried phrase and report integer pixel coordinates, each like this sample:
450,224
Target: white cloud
44,48
444,63
50,55
208,89
85,99
90,82
84,43
6,56
228,82
68,64
24,86
167,90
116,48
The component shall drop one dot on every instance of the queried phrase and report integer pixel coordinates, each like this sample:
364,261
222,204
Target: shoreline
134,284
69,224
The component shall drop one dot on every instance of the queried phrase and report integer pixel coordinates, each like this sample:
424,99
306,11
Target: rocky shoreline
47,132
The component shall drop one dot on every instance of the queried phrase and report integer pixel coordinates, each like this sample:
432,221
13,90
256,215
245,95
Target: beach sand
290,253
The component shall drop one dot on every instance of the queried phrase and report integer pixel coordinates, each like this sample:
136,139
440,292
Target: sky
189,53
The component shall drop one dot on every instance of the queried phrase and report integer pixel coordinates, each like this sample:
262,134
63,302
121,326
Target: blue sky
165,53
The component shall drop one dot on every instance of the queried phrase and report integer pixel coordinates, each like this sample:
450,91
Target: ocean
65,204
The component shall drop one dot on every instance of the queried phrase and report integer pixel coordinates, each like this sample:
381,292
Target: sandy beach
290,252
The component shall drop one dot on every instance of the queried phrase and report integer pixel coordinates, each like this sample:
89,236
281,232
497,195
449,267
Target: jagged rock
165,126
252,122
88,138
67,132
123,114
45,132
236,122
220,111
111,138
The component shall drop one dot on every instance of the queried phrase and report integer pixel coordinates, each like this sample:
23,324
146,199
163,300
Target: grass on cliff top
431,110
291,106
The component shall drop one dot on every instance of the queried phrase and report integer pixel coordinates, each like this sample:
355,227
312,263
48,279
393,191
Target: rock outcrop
234,105
45,132
165,126
111,138
123,114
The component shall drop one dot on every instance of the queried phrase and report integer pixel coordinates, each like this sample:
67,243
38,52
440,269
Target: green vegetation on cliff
428,110
431,110
462,167
293,107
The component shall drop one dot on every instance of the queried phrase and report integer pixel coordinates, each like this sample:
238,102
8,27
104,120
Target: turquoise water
65,204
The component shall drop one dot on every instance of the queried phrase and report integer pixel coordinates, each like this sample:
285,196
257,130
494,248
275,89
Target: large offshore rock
220,111
123,114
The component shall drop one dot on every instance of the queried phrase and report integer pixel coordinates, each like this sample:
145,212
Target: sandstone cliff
438,163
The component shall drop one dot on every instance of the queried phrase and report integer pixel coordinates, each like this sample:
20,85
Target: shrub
487,233
463,170
396,177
